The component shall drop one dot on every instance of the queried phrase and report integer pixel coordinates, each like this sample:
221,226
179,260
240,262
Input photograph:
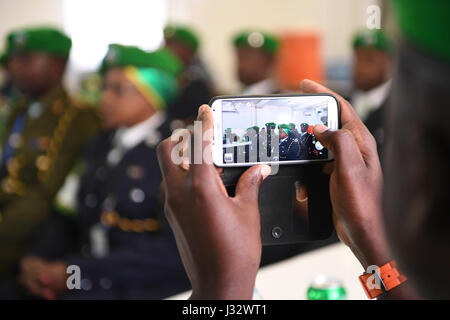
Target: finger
347,112
248,184
204,174
341,143
349,119
169,169
48,294
202,140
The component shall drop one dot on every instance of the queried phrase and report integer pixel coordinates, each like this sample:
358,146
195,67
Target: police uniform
42,139
127,250
371,105
196,85
289,147
270,136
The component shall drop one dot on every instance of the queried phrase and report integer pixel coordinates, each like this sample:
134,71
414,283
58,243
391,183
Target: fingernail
201,111
185,163
265,171
320,128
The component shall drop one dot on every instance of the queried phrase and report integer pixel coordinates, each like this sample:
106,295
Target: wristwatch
381,280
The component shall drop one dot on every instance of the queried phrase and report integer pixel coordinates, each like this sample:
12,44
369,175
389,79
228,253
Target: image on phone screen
278,129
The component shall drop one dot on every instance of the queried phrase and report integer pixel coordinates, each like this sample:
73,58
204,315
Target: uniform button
153,139
135,172
86,284
137,195
114,156
15,140
91,200
35,110
109,203
176,124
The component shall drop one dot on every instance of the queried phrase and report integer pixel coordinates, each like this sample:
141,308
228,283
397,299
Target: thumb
247,187
324,135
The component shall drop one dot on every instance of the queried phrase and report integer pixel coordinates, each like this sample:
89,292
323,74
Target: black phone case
277,191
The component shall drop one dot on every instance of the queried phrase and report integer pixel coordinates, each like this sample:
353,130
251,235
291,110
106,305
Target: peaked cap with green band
182,34
257,39
375,38
425,24
122,56
39,39
157,86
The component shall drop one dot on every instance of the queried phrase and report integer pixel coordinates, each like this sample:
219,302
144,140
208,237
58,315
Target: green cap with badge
257,39
182,34
374,38
272,125
40,39
121,56
425,24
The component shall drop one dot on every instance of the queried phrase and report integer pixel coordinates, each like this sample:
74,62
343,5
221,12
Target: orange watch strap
389,278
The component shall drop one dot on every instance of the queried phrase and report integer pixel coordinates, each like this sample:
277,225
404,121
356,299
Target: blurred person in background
42,138
371,79
126,250
255,54
9,93
196,85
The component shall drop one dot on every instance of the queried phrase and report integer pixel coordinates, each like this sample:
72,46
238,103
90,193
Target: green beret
257,39
157,86
256,128
182,34
375,38
425,24
292,124
43,39
164,59
122,56
273,125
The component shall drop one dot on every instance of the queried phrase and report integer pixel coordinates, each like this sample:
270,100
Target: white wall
217,21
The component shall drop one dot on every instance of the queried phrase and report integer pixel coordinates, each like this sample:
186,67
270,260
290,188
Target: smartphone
270,129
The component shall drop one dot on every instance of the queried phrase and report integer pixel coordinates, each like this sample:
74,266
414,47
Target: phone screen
274,129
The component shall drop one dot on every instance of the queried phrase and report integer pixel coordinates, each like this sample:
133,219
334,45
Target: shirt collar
130,137
366,102
266,86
